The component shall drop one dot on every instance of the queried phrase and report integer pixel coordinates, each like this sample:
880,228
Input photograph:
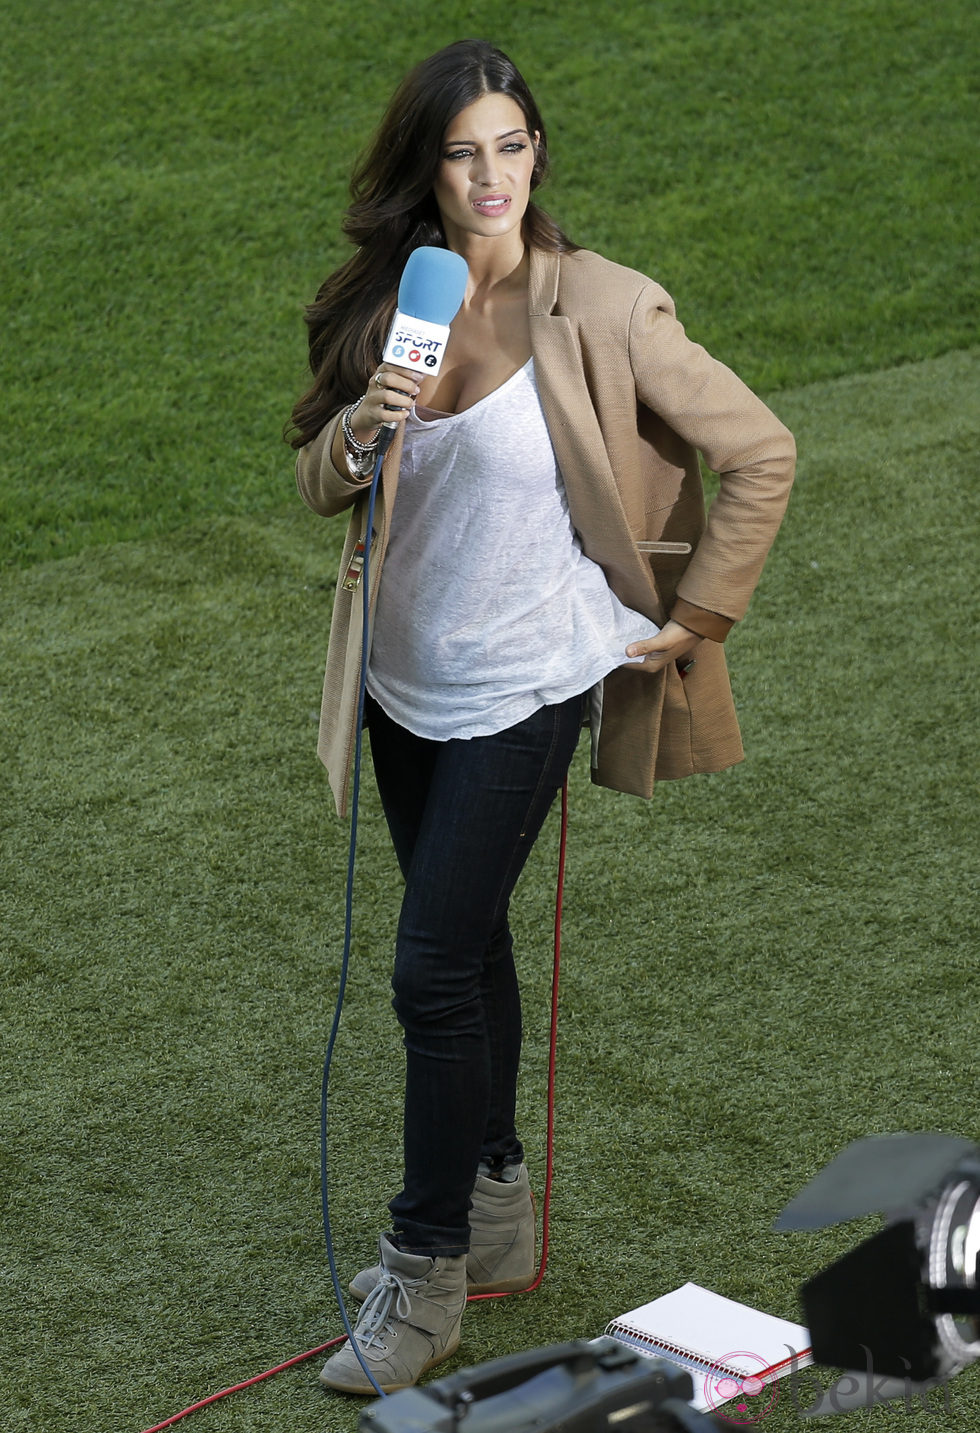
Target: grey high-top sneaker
408,1323
501,1257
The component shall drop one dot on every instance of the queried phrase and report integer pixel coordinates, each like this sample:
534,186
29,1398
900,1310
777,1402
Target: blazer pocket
671,549
667,562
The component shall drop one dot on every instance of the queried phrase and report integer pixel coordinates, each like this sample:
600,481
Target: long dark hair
394,211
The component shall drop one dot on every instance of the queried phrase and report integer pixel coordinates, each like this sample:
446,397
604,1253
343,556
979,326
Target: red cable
549,1165
248,1383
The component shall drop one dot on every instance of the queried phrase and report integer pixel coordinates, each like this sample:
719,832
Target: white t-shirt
488,608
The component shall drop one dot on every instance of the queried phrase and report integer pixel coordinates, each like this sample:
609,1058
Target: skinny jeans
463,816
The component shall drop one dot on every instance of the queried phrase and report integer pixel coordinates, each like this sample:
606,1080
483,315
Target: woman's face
483,183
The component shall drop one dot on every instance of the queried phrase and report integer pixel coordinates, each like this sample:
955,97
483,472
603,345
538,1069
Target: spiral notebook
730,1350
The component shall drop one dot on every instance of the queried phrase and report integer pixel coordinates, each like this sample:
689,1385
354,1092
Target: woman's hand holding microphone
388,399
390,394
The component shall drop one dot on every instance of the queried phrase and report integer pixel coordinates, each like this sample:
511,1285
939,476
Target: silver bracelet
356,447
360,466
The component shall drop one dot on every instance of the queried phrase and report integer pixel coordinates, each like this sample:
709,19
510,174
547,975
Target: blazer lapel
593,496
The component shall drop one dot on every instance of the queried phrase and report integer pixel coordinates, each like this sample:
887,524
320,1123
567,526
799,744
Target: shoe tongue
410,1266
506,1174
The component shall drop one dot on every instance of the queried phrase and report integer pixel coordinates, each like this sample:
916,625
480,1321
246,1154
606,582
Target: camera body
577,1387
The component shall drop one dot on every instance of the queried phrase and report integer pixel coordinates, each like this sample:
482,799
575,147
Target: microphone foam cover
432,285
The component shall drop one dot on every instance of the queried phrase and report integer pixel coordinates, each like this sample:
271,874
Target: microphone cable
384,439
348,1334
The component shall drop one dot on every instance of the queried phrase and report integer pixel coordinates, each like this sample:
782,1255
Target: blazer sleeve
751,450
320,486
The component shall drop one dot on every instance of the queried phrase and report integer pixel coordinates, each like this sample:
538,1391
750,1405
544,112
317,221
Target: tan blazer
629,401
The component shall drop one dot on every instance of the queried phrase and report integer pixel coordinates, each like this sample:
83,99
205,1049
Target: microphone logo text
413,342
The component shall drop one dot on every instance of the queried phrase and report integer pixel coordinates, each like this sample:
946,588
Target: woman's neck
498,270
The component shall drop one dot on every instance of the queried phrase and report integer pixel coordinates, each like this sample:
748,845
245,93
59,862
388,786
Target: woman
540,552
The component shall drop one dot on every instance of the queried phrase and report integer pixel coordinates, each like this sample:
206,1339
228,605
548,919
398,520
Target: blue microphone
432,286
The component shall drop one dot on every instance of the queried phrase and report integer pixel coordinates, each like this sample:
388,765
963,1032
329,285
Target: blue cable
348,917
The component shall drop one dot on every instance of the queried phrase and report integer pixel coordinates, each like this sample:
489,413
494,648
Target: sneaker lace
376,1311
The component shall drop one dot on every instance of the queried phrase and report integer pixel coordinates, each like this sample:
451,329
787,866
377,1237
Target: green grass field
759,967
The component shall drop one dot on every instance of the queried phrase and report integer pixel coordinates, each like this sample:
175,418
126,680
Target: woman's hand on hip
673,643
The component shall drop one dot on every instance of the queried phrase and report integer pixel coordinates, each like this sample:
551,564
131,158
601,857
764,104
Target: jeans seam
557,713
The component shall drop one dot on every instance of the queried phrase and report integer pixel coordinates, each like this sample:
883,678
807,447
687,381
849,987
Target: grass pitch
759,966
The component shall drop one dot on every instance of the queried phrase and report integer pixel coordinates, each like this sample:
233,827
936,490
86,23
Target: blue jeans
463,816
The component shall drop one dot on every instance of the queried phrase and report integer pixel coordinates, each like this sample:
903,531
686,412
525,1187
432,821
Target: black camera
578,1387
901,1309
